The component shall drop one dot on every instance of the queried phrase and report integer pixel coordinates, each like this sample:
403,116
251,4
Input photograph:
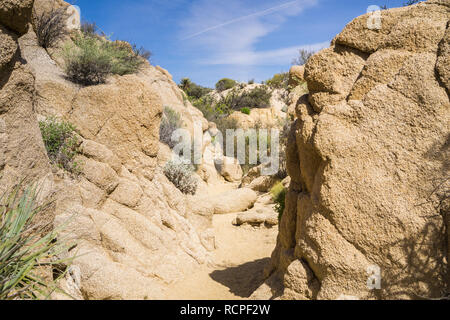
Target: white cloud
227,32
269,57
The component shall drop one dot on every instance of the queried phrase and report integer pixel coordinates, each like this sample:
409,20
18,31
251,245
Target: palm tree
185,84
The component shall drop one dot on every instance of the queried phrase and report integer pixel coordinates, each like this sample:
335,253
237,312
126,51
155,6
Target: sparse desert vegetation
354,210
171,121
50,27
89,60
61,141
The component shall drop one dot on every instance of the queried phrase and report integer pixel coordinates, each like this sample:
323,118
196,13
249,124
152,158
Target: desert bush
193,90
51,27
225,84
246,111
411,2
181,175
86,62
171,121
61,143
278,193
279,81
303,57
286,125
26,247
141,52
90,60
251,81
89,28
258,97
210,109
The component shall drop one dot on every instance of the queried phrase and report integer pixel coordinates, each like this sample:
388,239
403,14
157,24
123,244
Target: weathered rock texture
369,146
134,231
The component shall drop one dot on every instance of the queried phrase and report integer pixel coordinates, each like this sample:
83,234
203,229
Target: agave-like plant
26,247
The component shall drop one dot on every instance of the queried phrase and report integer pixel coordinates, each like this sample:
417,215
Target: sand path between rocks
239,260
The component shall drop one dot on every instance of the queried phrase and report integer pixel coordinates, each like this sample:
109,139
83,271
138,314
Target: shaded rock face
369,146
22,153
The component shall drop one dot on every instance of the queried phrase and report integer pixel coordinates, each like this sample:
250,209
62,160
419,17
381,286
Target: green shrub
193,90
61,143
50,27
251,81
181,175
171,121
279,81
258,97
26,247
225,124
246,111
125,59
278,193
225,84
91,59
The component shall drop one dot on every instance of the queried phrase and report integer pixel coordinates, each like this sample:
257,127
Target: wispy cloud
229,32
256,14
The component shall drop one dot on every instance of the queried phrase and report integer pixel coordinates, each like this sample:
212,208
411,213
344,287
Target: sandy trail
238,262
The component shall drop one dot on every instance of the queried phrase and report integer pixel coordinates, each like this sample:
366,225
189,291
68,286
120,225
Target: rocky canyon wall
368,158
133,230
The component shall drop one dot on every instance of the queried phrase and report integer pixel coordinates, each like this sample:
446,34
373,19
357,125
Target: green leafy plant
225,84
26,248
278,193
246,111
125,58
171,121
303,57
181,174
91,59
258,97
61,143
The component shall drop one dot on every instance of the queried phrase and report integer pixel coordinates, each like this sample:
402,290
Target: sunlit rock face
368,159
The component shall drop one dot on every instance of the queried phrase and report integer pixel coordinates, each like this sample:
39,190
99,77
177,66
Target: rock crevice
357,158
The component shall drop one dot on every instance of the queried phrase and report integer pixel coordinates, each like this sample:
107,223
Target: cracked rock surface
369,146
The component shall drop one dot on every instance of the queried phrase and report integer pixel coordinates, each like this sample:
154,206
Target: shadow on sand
242,280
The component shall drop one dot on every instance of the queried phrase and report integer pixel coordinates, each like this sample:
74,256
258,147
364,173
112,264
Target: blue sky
206,40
